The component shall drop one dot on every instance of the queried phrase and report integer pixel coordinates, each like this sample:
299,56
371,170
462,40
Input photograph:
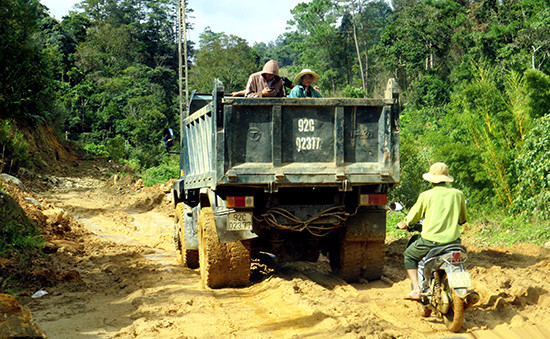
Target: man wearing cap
443,209
303,89
266,83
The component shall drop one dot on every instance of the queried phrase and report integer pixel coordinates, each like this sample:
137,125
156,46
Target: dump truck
292,178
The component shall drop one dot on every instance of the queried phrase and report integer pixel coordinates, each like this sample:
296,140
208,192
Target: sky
253,20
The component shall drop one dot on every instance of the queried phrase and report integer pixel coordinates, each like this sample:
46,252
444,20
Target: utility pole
357,48
182,53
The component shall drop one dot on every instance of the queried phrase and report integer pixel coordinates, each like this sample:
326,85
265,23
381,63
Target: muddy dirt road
131,284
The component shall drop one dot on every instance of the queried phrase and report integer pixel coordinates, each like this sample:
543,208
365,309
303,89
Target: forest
474,75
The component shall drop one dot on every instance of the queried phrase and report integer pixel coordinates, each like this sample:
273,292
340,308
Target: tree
536,37
495,118
107,49
25,76
226,57
532,198
421,38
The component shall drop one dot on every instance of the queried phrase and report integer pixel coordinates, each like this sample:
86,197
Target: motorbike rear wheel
455,316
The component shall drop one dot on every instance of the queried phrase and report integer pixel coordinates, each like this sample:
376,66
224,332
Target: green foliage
392,218
424,37
96,151
17,232
532,198
506,231
538,89
225,57
14,149
107,49
430,91
414,162
25,80
494,118
167,170
115,148
353,92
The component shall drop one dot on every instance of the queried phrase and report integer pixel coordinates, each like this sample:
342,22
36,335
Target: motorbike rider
443,209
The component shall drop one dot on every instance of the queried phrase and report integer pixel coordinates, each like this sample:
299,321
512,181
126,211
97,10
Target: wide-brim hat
439,172
305,71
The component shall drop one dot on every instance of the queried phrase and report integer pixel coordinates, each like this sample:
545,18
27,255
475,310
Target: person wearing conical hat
304,89
443,209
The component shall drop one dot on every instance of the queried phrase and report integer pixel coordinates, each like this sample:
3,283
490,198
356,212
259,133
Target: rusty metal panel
198,148
367,225
249,132
307,134
362,131
290,142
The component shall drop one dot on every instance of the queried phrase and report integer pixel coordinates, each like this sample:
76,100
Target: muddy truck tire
220,264
373,260
189,257
346,259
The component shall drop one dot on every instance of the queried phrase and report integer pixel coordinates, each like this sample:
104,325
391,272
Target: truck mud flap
225,236
190,222
366,225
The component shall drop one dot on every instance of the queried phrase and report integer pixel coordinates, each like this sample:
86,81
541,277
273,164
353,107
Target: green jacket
443,209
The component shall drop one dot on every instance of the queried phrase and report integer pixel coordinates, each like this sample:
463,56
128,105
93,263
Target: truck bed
289,142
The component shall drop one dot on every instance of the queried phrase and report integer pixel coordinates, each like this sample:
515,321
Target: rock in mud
55,216
16,322
13,180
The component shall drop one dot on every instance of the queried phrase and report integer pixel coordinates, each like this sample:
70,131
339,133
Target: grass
20,243
392,233
17,236
161,174
507,231
495,230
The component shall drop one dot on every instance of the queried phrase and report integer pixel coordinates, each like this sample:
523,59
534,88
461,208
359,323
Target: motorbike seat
434,252
429,263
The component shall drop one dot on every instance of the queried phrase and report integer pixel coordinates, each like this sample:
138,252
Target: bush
532,198
115,147
17,232
353,92
96,151
162,173
13,148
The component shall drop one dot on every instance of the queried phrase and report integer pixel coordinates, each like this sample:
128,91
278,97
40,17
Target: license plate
239,221
459,279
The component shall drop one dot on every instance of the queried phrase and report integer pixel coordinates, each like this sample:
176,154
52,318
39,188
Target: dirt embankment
127,281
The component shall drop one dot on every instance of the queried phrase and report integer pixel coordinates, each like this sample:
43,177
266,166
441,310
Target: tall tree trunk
357,48
366,68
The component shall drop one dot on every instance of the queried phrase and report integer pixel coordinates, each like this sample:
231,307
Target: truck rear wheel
221,264
373,260
346,259
189,257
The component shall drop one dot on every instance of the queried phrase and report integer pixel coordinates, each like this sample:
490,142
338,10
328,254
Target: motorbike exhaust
471,299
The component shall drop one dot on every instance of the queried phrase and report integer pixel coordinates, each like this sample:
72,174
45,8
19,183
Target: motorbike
445,285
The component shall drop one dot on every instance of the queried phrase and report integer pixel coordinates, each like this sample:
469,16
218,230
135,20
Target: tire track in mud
134,287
